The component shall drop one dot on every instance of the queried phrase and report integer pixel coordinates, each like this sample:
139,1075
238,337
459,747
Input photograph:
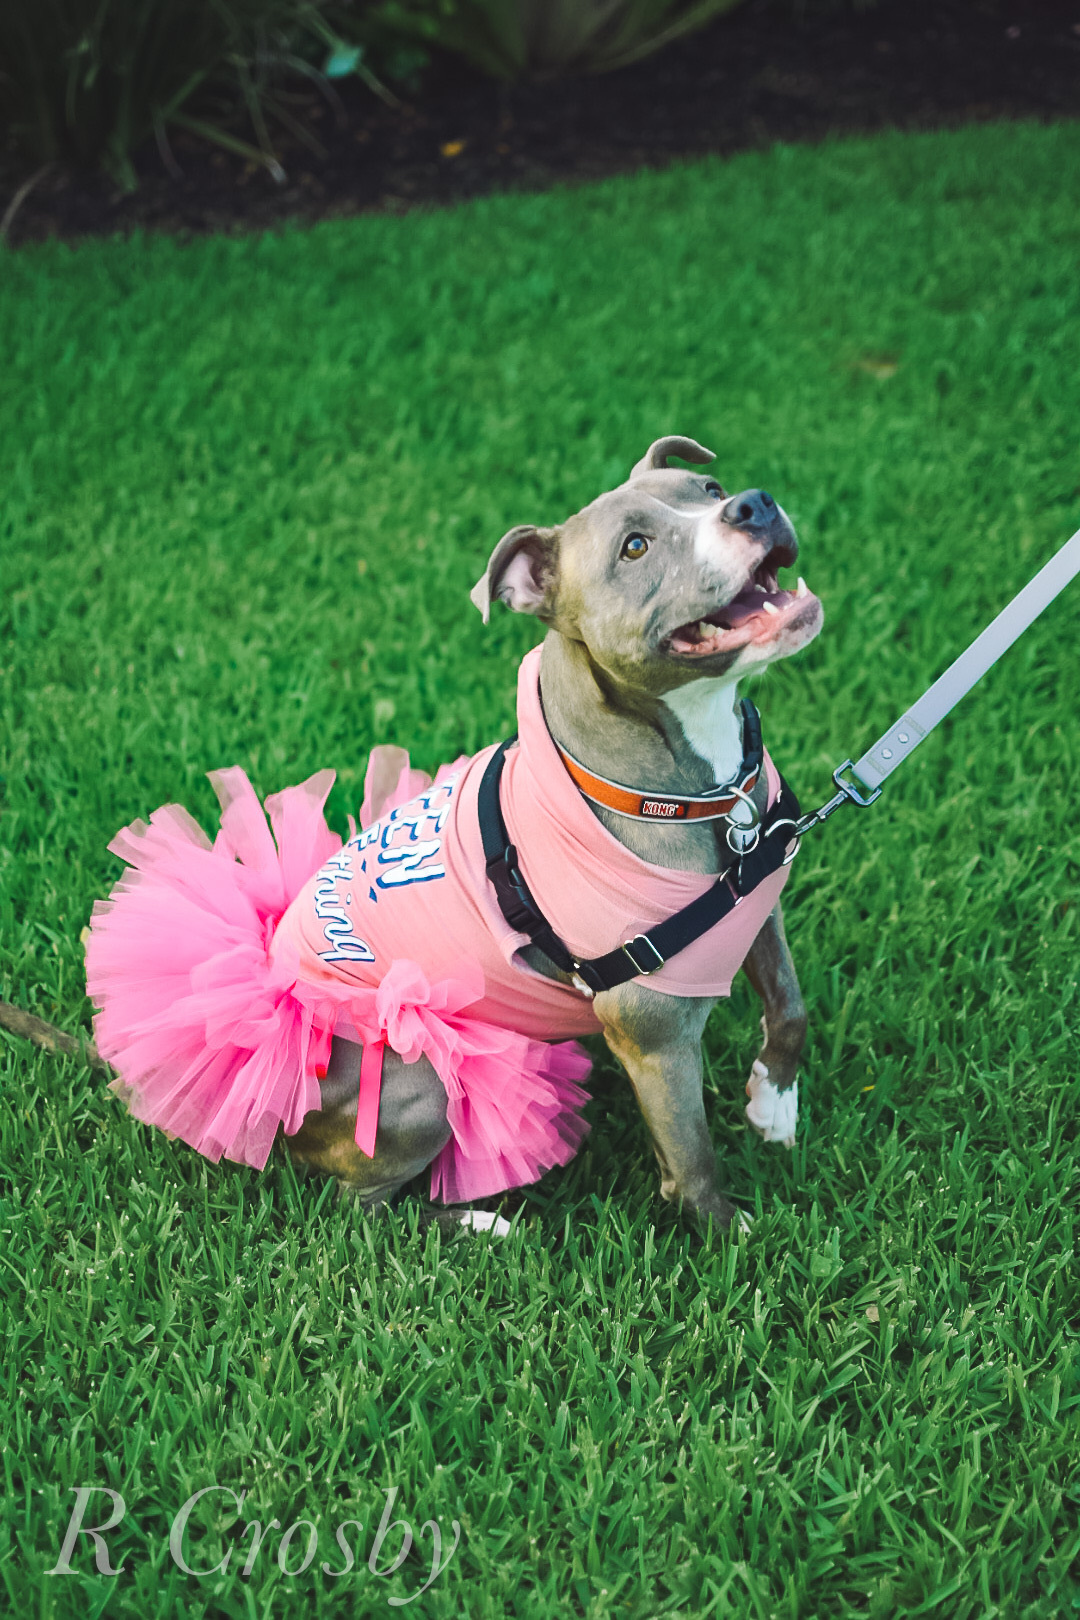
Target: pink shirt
413,886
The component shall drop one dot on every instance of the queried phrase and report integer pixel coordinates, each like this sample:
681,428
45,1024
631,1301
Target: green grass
247,486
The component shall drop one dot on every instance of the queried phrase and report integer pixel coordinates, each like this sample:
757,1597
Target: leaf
342,60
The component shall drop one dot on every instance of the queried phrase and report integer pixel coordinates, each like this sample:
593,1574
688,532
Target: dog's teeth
801,589
767,607
706,631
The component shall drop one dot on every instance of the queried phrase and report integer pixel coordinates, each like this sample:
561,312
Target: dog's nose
753,510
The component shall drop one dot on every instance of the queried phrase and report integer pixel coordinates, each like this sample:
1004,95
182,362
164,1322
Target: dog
659,598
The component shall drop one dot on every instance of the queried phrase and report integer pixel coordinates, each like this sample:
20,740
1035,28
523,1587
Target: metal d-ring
738,847
733,826
786,821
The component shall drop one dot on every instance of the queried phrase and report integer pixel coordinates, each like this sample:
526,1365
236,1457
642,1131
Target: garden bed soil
757,76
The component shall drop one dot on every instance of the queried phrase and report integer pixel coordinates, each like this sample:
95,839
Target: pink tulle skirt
217,1040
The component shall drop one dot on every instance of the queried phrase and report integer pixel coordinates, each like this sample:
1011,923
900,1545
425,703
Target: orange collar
641,806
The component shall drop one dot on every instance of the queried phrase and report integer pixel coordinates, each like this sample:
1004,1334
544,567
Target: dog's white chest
711,723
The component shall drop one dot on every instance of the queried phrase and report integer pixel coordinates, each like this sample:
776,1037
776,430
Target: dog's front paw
482,1220
771,1112
451,1220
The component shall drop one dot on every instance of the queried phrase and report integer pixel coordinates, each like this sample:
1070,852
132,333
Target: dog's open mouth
758,613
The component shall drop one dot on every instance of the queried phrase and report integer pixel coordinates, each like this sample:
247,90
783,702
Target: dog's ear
520,572
657,453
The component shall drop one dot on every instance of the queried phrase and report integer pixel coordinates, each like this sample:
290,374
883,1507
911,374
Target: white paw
483,1220
771,1112
745,1224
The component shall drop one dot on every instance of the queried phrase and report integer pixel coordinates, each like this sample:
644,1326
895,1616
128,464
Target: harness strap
645,953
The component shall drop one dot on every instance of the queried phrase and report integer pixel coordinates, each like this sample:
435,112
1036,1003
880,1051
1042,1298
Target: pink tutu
220,1044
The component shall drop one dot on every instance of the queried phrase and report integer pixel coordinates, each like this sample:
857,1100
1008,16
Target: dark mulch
752,78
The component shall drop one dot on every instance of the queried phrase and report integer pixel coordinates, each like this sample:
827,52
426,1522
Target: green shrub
513,39
86,82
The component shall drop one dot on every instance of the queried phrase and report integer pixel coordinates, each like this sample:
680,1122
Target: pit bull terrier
658,597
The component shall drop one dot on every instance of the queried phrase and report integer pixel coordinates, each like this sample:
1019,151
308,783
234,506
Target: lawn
248,483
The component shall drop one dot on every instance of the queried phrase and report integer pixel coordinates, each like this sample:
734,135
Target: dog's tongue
749,604
752,603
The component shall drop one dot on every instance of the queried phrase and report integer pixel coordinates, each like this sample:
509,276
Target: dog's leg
657,1039
412,1125
772,1088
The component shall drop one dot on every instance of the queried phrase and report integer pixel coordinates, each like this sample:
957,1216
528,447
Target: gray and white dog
658,597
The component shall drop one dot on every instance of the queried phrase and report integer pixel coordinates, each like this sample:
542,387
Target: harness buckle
628,952
516,902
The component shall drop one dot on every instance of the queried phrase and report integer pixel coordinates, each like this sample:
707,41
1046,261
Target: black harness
645,953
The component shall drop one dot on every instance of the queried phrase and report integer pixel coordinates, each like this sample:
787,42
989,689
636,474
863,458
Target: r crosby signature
296,1551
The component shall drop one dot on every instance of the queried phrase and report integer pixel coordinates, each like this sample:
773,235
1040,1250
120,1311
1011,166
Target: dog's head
665,579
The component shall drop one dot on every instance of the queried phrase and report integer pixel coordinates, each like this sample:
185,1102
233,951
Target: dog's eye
714,492
634,546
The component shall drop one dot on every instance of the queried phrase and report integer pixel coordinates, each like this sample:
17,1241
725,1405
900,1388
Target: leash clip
849,793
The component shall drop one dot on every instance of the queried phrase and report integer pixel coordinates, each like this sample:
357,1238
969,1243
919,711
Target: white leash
905,735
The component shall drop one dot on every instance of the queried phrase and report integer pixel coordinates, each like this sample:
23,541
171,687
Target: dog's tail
50,1038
